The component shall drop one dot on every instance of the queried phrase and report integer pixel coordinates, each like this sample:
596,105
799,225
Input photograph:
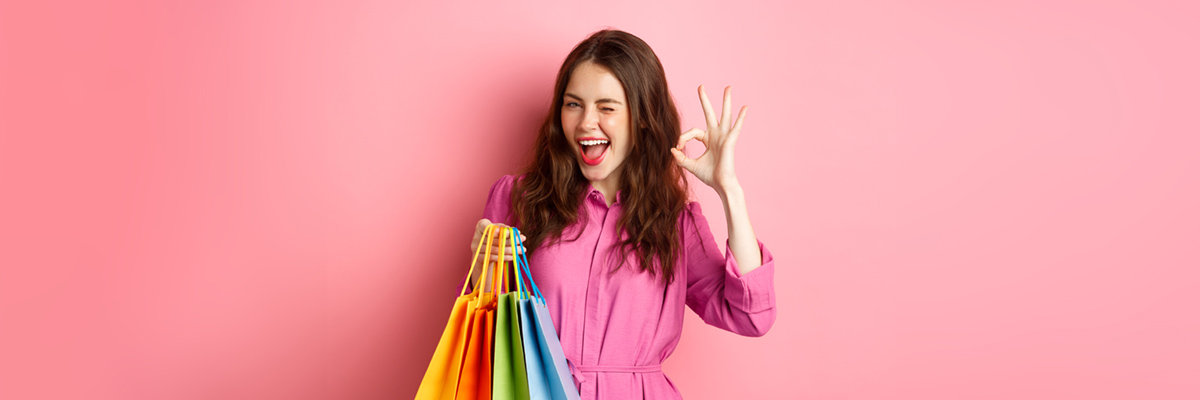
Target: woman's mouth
593,150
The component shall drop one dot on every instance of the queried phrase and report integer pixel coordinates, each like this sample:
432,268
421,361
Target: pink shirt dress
618,328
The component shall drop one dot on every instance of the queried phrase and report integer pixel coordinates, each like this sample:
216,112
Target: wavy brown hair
547,197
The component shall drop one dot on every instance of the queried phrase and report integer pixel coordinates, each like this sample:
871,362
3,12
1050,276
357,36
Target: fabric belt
577,370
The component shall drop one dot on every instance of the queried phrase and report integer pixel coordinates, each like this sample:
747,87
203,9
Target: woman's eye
607,109
572,104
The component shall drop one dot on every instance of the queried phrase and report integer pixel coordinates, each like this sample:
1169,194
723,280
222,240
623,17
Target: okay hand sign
715,166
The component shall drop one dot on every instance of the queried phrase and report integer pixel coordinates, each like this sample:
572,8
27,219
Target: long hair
546,199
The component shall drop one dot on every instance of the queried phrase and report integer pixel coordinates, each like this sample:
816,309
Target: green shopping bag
509,379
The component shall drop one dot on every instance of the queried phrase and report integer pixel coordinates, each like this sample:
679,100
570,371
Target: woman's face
595,119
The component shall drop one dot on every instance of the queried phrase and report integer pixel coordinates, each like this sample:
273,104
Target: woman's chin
596,173
594,177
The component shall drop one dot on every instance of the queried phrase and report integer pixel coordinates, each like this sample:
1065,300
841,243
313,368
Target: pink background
273,200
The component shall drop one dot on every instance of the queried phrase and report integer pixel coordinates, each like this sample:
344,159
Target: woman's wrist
730,190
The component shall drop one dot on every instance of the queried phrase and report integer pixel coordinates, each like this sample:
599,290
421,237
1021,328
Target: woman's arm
715,169
495,211
719,289
742,241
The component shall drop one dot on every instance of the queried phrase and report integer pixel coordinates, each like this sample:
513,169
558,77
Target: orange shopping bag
461,364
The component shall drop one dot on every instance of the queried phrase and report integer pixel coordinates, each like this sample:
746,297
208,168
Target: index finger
709,117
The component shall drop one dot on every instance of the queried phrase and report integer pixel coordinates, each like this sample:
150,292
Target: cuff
754,291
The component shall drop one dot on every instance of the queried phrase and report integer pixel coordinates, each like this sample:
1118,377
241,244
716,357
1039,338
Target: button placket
590,352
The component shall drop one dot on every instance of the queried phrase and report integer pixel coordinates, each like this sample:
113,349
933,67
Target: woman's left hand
715,166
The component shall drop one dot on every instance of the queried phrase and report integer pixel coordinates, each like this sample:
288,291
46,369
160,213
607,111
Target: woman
613,242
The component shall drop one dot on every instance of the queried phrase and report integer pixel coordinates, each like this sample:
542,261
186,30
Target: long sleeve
717,291
498,208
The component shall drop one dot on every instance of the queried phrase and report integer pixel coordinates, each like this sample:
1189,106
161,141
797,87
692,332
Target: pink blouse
617,329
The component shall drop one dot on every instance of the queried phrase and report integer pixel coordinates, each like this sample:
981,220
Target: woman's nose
591,119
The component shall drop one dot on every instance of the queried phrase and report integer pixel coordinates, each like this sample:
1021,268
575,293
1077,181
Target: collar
595,194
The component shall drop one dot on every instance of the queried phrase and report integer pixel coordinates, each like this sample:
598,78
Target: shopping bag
546,364
475,382
535,374
460,357
441,377
508,371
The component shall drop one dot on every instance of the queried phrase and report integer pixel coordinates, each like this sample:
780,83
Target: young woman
613,242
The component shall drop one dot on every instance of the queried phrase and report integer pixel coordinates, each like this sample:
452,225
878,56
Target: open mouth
593,150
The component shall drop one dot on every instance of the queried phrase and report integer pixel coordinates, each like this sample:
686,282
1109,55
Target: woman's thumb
682,159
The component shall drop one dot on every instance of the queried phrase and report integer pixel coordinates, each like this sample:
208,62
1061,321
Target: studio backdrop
274,199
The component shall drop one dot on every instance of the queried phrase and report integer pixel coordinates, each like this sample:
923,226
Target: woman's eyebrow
604,100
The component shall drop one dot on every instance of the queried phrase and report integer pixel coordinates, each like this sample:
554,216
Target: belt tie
577,370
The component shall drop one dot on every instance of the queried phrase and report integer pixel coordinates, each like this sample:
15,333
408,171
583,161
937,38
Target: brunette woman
614,243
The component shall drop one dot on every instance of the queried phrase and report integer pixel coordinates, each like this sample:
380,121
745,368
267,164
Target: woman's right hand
510,247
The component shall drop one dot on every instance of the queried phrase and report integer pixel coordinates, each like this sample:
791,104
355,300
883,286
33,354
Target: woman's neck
608,187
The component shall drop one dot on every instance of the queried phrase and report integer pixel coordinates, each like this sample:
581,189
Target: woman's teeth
592,142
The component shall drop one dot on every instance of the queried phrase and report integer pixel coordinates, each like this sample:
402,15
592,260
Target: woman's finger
507,257
737,126
501,229
481,226
512,249
727,109
507,250
509,240
694,133
478,237
493,256
709,117
683,160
